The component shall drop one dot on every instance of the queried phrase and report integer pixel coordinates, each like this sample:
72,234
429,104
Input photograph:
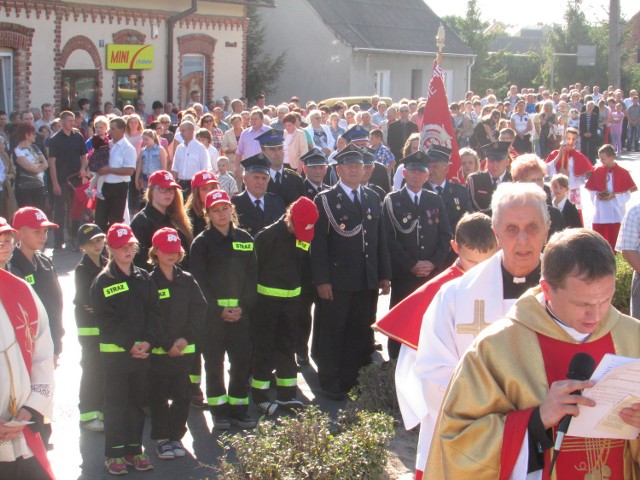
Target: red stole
622,181
572,459
581,164
404,321
17,300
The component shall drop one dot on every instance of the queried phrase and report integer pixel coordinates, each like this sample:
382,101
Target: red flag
437,126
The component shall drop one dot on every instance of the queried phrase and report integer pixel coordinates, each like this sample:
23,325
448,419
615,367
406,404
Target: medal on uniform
409,216
405,220
369,217
430,222
437,220
457,201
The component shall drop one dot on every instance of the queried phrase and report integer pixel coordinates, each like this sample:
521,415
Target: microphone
581,368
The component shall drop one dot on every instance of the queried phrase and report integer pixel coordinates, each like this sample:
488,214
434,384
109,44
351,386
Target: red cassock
404,321
622,181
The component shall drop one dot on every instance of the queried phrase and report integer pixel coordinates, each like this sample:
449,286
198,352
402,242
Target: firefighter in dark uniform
368,169
256,208
284,182
225,266
418,233
280,249
29,263
91,243
127,307
481,185
315,168
359,137
349,263
455,196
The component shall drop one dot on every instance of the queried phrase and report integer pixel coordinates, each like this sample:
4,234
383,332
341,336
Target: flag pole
440,43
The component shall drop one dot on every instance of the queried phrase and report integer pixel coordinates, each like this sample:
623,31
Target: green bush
310,446
624,275
376,390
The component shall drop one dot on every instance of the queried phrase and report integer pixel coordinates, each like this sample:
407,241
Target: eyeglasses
164,190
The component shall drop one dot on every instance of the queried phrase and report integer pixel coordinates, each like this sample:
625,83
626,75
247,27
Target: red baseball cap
31,217
5,227
304,215
202,178
167,240
163,179
216,196
119,235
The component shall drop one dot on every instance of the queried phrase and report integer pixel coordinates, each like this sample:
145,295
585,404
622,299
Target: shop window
6,80
128,84
77,84
193,79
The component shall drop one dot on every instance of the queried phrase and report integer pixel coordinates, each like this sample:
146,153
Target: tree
263,70
471,30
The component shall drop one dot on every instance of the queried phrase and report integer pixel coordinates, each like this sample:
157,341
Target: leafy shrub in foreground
310,446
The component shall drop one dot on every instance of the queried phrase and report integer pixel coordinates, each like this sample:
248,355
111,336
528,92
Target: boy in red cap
280,249
224,264
183,307
610,186
29,263
128,313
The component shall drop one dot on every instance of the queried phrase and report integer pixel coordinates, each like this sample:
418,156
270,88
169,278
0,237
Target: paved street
80,454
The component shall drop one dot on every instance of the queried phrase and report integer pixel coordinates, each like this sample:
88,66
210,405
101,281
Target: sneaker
140,462
164,450
267,408
116,466
95,425
244,422
221,422
291,404
178,448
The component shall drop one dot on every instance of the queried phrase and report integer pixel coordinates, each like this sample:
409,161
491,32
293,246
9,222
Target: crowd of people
247,232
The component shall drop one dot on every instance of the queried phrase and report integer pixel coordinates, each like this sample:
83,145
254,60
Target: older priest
510,391
26,374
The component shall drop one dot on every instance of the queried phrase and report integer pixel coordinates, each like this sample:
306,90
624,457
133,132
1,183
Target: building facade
120,51
346,48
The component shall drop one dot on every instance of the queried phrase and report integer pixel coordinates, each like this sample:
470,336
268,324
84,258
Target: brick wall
19,38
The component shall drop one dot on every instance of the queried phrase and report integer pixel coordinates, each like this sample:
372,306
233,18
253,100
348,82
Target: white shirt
560,204
349,191
253,199
273,172
413,195
121,155
214,154
190,159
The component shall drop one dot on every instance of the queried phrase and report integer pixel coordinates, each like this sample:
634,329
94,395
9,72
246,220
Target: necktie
439,190
278,177
495,182
258,203
415,200
356,200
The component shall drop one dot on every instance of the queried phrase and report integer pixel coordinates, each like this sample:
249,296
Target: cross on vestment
30,328
478,321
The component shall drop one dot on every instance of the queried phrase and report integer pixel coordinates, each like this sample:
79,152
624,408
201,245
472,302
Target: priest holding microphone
510,391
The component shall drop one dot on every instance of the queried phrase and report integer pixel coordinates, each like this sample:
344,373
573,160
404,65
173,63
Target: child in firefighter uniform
223,262
280,249
91,242
128,313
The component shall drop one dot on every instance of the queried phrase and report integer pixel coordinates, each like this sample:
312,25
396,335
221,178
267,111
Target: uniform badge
342,226
338,206
405,220
369,217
